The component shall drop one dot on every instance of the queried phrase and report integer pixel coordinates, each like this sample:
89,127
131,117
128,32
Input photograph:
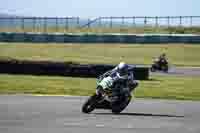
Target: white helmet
122,70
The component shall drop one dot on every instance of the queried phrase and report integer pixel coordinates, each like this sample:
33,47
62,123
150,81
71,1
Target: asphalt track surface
59,114
181,71
173,70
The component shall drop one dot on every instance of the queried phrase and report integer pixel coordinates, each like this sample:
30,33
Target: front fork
103,94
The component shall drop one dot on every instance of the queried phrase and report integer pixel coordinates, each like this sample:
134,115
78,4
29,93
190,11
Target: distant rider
121,72
162,59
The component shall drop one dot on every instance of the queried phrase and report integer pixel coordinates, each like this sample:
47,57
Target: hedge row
63,69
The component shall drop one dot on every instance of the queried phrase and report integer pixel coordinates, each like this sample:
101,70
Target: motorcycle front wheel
90,104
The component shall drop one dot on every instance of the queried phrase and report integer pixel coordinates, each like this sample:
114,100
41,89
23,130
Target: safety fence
135,24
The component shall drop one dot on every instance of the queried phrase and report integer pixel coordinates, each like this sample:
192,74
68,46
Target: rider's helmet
122,70
163,55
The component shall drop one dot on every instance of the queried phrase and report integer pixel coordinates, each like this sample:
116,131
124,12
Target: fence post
10,21
134,21
110,22
156,21
45,25
78,22
22,20
123,21
1,24
88,23
66,24
180,24
99,22
168,22
56,24
145,21
191,23
34,23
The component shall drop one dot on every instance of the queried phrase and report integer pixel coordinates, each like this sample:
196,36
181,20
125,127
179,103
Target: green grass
165,87
178,54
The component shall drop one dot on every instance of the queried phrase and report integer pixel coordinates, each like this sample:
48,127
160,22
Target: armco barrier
18,37
99,38
63,69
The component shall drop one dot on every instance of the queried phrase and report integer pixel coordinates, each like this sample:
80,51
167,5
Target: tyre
152,69
90,104
118,108
165,69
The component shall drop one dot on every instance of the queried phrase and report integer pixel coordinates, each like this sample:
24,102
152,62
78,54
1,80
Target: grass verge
178,54
164,87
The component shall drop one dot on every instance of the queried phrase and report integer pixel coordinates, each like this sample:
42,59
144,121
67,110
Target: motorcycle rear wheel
116,109
152,69
165,69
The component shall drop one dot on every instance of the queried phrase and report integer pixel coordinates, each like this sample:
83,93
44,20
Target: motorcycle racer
126,78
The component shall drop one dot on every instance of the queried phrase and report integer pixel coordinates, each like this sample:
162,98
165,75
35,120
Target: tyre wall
63,69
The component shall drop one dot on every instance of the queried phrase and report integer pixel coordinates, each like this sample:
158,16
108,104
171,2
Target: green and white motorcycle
103,96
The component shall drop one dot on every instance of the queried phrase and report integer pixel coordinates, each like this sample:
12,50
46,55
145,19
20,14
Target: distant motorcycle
102,98
160,65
